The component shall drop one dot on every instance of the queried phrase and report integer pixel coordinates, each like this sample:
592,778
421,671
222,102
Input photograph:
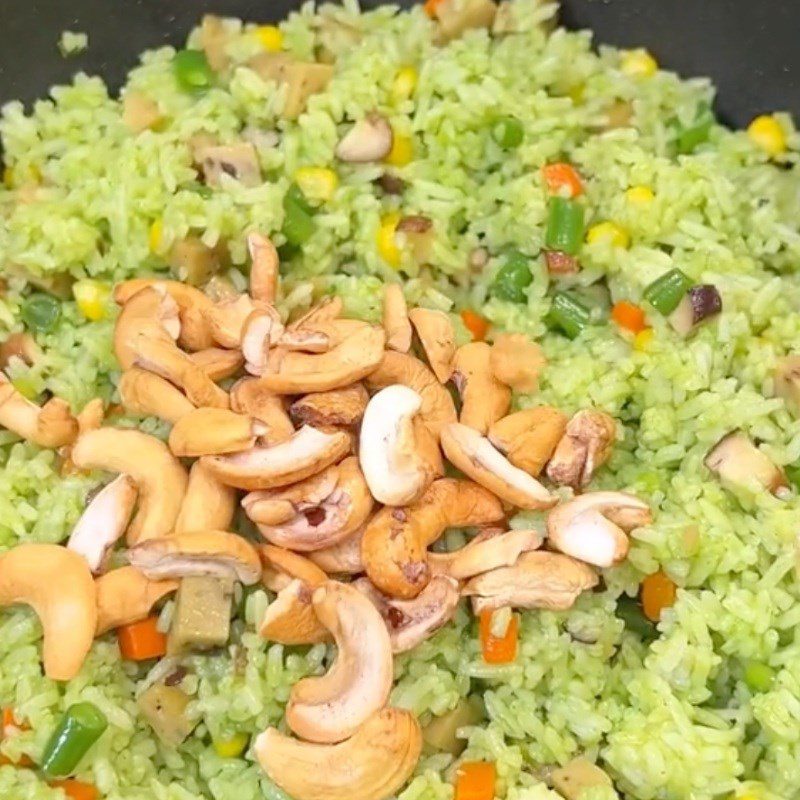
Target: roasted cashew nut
264,274
151,314
338,408
516,361
208,505
149,395
227,319
342,558
528,438
217,363
214,431
262,330
484,400
438,339
125,596
328,309
586,445
395,318
250,396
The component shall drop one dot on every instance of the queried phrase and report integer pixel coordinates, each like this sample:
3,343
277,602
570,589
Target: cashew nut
214,431
341,408
281,566
342,558
152,314
216,553
250,396
585,446
332,707
264,275
159,476
529,438
474,455
398,464
438,339
227,319
484,399
307,452
104,522
91,415
148,395
372,765
395,318
370,139
125,596
207,505
539,579
52,425
262,330
592,527
57,584
411,622
437,404
329,308
394,548
516,361
218,363
21,346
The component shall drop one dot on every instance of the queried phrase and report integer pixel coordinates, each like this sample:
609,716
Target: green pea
508,132
40,312
513,278
192,70
759,677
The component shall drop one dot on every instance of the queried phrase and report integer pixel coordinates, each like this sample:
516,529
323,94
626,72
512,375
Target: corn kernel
233,747
387,246
156,235
766,132
92,299
8,178
608,232
640,195
642,340
317,183
405,82
577,93
638,64
402,151
270,37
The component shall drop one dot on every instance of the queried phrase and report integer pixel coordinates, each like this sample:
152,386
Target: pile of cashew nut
339,432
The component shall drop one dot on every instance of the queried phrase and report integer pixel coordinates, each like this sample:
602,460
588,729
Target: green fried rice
667,713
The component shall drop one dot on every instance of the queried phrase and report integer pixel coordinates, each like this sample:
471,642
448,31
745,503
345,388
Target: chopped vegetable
658,593
193,261
698,305
431,7
475,780
564,226
317,183
508,132
164,708
638,63
640,195
560,263
568,315
688,138
270,37
562,176
666,292
80,727
202,616
631,613
92,298
142,640
405,83
298,220
302,79
759,677
642,340
578,777
609,232
628,316
155,235
440,733
232,747
766,132
498,649
192,70
737,462
513,278
76,790
402,151
475,324
40,313
387,246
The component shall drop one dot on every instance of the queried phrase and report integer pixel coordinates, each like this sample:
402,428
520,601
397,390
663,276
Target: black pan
750,49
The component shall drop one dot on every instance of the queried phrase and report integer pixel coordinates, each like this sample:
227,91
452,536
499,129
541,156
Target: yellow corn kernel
92,298
405,82
638,63
641,341
577,93
156,235
766,132
608,232
317,183
640,195
270,37
233,747
402,151
387,246
8,178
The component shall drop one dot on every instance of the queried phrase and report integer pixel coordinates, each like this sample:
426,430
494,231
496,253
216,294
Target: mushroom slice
125,596
328,309
395,318
103,522
372,765
529,438
264,274
437,404
370,139
474,455
301,79
227,319
398,464
239,161
316,513
592,527
537,580
57,584
217,554
148,395
218,363
487,551
340,408
262,329
347,362
151,313
516,361
342,558
214,431
438,339
250,396
207,504
737,462
307,452
394,548
411,622
586,445
332,707
484,399
51,425
159,476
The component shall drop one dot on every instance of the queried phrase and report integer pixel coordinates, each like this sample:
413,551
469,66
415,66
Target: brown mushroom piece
529,438
338,408
438,339
738,463
238,161
370,139
484,399
416,232
302,79
207,505
125,596
586,445
193,261
699,305
148,395
516,361
201,619
214,431
395,319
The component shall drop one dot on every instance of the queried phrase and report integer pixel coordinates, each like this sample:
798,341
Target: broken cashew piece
227,319
592,527
474,455
342,558
159,476
151,313
339,408
372,765
262,330
264,275
370,139
250,396
399,461
395,318
57,584
438,339
149,395
214,431
103,522
484,400
125,596
328,309
516,361
586,445
529,438
91,415
207,505
218,363
332,707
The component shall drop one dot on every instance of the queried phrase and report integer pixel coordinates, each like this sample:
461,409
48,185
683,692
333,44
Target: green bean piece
759,677
568,315
631,613
508,132
513,278
79,728
192,70
665,292
564,226
40,312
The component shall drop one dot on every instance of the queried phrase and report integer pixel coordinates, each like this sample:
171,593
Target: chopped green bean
508,132
513,278
192,70
759,677
568,315
79,728
40,312
564,225
667,291
630,612
298,220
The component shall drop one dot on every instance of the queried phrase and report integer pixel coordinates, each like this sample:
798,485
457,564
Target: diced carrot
431,7
658,593
76,790
141,640
557,176
628,316
498,649
24,762
475,780
475,324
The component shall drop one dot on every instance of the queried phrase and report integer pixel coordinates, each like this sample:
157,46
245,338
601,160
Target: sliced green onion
79,728
564,225
192,70
631,613
508,132
513,278
759,677
40,312
298,219
568,315
666,292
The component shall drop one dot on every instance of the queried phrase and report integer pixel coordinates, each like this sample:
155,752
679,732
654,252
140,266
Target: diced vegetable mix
80,727
568,315
508,132
513,278
564,231
562,178
475,324
298,220
76,790
658,592
498,649
667,291
628,316
40,313
141,641
475,780
192,70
